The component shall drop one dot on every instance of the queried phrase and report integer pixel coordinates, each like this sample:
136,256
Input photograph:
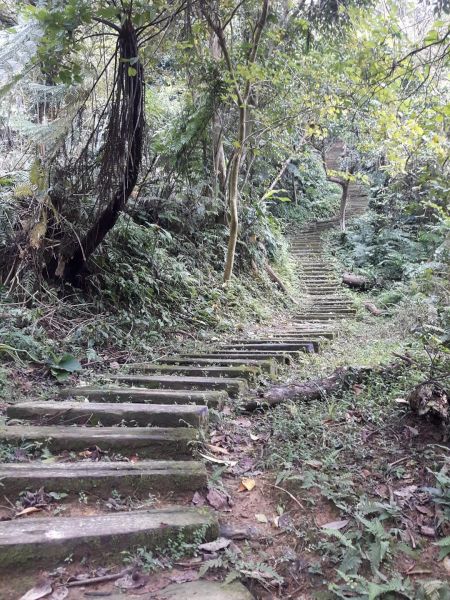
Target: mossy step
313,318
104,413
233,387
42,541
292,335
249,373
307,344
275,345
214,399
140,478
267,366
157,442
278,356
204,590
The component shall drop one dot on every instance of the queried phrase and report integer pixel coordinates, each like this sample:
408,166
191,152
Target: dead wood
102,579
276,279
356,281
373,309
315,389
430,398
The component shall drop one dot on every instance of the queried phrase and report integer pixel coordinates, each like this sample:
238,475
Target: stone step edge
151,442
46,540
111,413
128,478
213,399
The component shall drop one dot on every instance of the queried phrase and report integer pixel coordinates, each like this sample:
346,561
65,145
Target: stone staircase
143,424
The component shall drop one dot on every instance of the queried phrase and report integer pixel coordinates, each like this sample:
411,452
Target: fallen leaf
216,499
247,483
215,546
382,490
261,518
446,564
336,524
428,531
425,510
220,461
365,473
40,590
401,401
243,422
412,430
217,449
254,437
59,594
28,511
406,492
198,499
315,464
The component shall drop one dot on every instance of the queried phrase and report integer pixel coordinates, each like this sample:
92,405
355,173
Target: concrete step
157,442
270,346
131,479
264,365
233,387
292,335
128,394
249,373
313,318
42,541
105,413
294,339
278,356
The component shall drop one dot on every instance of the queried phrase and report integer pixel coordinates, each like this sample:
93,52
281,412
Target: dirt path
127,440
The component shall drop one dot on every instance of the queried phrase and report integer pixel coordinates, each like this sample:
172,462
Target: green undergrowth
148,291
364,460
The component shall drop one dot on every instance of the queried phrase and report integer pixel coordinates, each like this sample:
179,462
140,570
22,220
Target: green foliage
311,195
238,566
62,368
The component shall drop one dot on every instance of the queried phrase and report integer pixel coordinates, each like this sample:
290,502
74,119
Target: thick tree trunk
316,389
356,281
121,160
311,390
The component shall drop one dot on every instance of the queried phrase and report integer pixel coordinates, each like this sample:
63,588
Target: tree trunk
234,217
343,207
220,167
121,160
233,193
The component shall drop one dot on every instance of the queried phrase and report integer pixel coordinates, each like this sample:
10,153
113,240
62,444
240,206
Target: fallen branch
373,309
276,279
102,579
